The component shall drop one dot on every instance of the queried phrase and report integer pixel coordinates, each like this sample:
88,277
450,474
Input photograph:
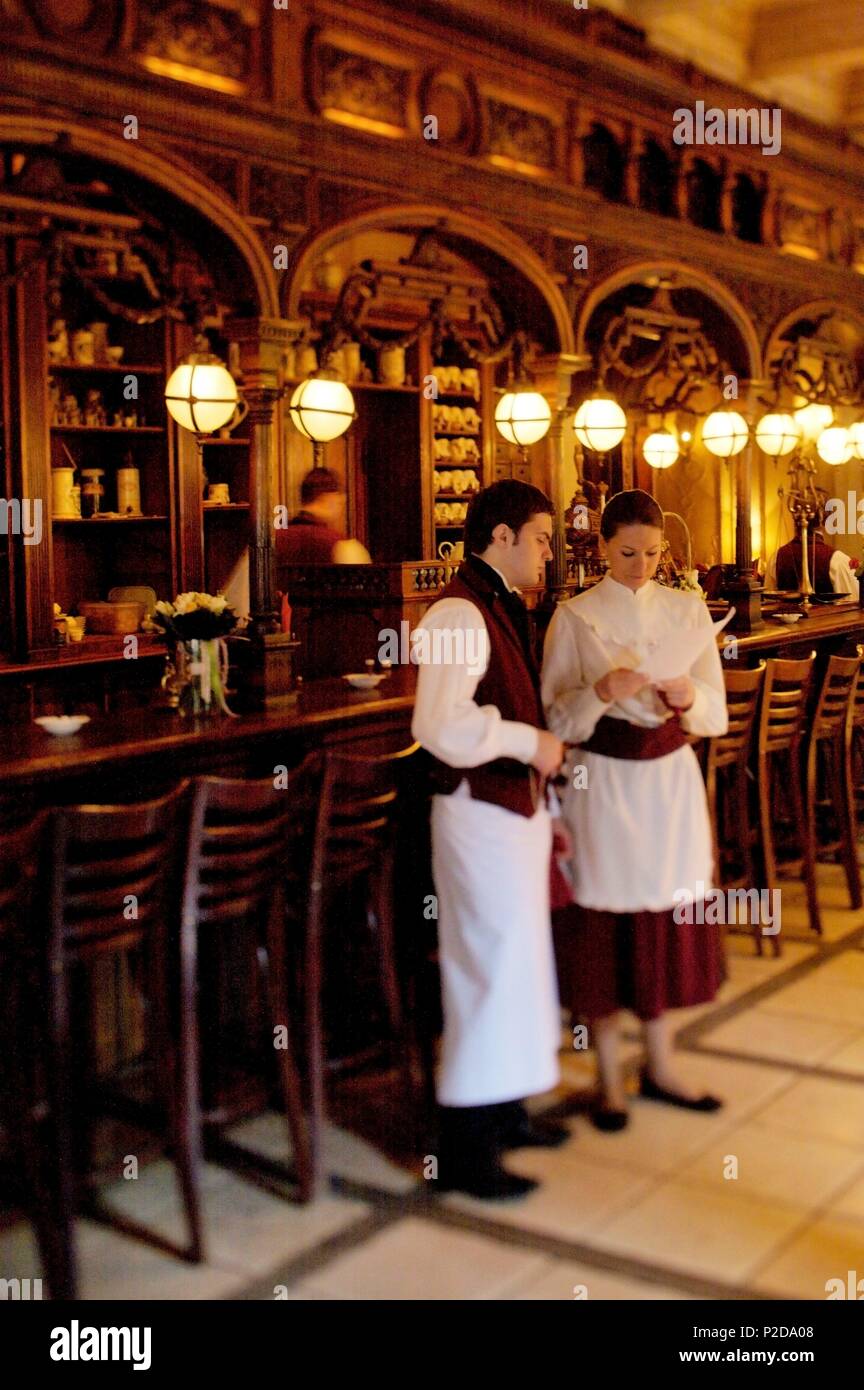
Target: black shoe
609,1121
469,1153
649,1090
535,1132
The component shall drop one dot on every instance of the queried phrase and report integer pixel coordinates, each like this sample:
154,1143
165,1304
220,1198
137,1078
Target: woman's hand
562,841
678,693
620,685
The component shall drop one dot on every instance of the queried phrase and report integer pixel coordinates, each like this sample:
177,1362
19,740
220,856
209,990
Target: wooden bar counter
138,752
131,755
828,628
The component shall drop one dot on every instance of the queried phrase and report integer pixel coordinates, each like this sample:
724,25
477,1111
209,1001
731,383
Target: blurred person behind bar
312,536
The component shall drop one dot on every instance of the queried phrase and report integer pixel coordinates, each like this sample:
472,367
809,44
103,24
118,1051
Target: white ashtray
788,618
364,680
61,725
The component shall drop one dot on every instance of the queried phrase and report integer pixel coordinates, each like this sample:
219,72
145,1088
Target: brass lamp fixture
201,394
322,408
523,415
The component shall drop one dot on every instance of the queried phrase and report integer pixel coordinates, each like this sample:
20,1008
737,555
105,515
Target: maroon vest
305,541
512,685
789,565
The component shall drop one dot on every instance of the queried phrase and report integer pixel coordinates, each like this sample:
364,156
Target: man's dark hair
317,482
631,508
510,502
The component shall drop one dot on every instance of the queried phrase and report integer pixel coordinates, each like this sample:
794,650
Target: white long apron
491,870
640,829
500,995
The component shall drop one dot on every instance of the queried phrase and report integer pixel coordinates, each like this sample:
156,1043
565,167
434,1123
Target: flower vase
202,669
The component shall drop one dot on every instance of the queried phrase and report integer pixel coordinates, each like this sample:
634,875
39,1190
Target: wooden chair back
784,704
116,871
743,689
835,707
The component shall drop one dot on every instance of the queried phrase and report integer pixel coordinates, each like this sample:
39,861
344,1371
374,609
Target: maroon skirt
641,961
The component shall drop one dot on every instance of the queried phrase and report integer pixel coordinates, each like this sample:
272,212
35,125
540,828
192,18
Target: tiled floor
764,1198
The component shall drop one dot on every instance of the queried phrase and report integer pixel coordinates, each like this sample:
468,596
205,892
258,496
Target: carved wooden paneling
225,173
336,201
525,139
93,22
215,40
452,100
800,225
359,87
277,195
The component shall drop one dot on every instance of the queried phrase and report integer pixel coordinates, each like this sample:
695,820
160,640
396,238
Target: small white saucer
364,680
788,618
61,725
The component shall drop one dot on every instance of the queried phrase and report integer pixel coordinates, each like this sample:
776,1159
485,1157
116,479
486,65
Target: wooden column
552,376
262,343
261,346
30,451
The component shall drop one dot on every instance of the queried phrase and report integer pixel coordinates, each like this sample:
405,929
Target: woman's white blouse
640,828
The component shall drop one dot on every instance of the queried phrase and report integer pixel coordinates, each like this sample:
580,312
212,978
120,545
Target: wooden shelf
453,496
102,520
457,434
463,463
107,429
457,396
223,442
138,368
225,506
361,385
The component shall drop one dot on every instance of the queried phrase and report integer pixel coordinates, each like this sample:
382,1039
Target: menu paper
676,653
673,655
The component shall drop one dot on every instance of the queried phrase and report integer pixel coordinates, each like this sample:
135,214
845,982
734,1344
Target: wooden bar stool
116,874
246,840
355,841
37,1132
857,737
727,783
829,762
779,743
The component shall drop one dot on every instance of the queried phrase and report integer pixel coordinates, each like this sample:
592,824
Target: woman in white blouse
635,804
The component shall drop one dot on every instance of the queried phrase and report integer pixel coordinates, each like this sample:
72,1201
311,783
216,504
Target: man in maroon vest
478,712
830,569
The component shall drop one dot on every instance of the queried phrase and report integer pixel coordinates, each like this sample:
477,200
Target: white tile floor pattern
651,1213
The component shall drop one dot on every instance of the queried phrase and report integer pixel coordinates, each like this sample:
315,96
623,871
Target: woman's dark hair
631,508
509,501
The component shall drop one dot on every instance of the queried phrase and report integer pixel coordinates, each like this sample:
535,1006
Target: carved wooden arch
686,276
812,309
394,217
172,174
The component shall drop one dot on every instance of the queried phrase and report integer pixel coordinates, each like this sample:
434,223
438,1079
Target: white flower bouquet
196,617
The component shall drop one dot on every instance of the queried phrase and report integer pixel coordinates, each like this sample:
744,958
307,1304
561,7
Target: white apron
500,995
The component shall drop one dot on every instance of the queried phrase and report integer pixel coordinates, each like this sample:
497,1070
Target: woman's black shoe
610,1121
649,1090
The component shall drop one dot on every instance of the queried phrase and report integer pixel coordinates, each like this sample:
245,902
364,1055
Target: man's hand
620,685
678,693
549,755
562,840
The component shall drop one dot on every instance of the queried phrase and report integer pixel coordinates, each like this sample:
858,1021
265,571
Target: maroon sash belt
618,738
